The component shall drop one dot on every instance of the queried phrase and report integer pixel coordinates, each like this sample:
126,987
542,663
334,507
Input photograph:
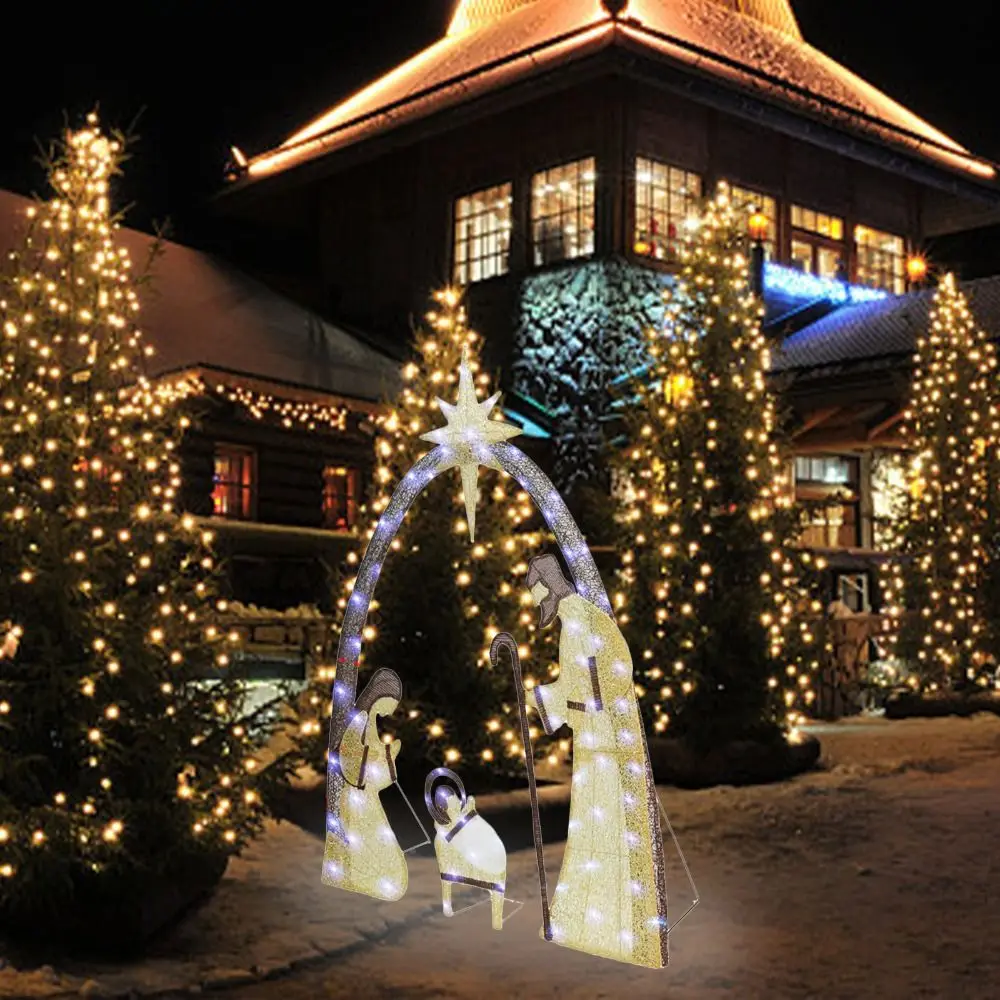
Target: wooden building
547,154
281,444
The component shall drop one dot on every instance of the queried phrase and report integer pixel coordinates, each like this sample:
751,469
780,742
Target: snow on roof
198,311
885,329
754,44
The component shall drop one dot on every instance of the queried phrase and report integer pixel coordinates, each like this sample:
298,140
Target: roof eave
690,80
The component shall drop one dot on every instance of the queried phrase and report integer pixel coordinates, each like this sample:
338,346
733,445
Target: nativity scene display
610,897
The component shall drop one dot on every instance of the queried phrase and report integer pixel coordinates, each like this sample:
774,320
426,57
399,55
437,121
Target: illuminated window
750,202
562,212
881,259
831,470
828,488
817,245
233,482
665,199
340,497
482,234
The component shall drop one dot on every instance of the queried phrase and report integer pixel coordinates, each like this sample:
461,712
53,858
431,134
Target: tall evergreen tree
124,750
441,598
940,591
713,601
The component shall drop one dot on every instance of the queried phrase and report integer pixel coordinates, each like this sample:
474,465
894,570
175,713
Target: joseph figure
611,898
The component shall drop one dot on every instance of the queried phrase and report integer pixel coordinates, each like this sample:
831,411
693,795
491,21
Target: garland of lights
290,414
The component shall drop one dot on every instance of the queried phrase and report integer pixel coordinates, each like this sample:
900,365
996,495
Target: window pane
828,262
750,201
340,497
816,222
562,212
881,259
666,198
233,482
802,256
482,234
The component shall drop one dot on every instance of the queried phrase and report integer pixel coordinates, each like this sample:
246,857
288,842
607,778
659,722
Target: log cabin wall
265,565
383,227
386,226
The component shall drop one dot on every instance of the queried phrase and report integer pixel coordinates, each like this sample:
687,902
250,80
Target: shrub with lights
714,601
125,753
443,597
941,593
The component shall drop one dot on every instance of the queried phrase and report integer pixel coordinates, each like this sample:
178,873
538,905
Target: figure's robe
610,899
371,862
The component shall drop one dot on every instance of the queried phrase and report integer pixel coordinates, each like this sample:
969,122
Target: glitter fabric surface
468,850
369,859
610,900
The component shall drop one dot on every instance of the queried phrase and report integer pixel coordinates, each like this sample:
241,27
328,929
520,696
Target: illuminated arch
546,497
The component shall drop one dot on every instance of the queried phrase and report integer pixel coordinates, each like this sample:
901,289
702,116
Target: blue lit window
831,470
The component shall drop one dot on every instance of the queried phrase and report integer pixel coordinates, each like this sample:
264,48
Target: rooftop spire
471,15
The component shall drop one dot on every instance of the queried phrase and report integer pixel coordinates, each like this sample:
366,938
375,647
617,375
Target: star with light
467,439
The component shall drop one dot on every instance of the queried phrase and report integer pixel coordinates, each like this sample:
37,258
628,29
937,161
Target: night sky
203,75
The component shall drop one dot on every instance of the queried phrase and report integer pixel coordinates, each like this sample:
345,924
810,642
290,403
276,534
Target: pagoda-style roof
200,313
753,45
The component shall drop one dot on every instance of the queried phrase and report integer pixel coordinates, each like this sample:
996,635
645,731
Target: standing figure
364,856
611,897
468,850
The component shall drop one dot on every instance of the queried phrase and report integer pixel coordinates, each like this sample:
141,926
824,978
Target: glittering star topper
469,437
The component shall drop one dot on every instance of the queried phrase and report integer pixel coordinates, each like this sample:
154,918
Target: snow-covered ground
878,877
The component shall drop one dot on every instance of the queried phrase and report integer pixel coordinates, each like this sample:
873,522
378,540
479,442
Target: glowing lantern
917,488
916,269
980,445
642,247
677,388
759,226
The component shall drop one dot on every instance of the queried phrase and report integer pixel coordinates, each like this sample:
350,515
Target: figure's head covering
546,570
385,683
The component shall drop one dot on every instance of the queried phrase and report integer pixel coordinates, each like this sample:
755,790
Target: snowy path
879,878
876,878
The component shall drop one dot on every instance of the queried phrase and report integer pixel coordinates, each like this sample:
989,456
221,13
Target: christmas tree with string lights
125,755
713,599
443,596
939,591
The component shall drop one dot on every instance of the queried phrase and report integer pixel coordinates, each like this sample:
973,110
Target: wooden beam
882,427
815,419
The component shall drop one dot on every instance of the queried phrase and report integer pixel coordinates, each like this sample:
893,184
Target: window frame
899,273
834,506
538,258
352,495
502,258
818,242
689,201
772,245
248,504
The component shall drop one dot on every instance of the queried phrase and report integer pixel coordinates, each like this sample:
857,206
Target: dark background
203,75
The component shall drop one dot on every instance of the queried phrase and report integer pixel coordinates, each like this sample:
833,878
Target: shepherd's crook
505,639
